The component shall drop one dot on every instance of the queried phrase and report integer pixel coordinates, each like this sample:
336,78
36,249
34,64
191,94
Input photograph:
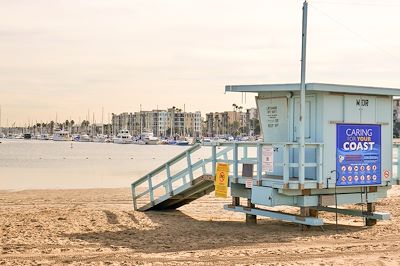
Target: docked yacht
139,141
84,138
44,137
182,142
100,138
149,139
123,137
61,135
207,142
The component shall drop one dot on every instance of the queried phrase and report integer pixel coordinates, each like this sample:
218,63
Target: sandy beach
99,227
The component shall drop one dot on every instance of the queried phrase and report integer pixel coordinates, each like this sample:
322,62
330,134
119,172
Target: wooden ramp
161,190
200,187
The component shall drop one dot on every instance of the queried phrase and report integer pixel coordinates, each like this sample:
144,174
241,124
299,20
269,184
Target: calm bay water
32,164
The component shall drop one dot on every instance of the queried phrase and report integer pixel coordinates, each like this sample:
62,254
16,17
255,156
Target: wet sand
99,227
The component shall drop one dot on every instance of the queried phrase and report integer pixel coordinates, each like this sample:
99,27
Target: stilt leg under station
304,212
370,210
250,218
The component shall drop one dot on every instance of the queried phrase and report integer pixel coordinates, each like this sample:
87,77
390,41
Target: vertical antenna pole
303,97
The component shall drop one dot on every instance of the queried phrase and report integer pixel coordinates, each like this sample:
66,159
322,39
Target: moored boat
61,135
123,137
149,139
100,138
182,142
84,138
44,136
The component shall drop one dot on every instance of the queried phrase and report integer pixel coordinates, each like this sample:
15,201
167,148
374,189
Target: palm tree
72,123
51,126
85,125
66,124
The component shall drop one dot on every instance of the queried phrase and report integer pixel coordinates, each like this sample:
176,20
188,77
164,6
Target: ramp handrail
240,155
286,163
170,162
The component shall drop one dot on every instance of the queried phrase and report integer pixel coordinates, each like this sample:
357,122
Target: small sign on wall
249,183
268,159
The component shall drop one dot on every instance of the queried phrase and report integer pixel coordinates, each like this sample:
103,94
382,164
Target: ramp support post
370,210
304,212
235,201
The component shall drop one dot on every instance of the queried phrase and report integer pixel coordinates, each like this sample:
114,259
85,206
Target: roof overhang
314,87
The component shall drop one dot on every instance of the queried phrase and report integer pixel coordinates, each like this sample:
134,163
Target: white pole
303,97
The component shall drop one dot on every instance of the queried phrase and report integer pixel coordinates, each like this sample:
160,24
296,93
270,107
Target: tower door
310,132
309,120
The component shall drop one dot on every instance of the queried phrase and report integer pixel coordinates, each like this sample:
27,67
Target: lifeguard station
324,145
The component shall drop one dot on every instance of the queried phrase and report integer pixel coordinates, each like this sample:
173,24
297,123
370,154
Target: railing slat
189,167
214,159
259,161
235,160
286,164
150,188
320,154
169,179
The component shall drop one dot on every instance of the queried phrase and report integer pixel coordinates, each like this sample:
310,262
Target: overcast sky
68,56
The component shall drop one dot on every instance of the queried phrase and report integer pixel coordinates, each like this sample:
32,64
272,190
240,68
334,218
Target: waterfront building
192,124
162,123
231,123
252,121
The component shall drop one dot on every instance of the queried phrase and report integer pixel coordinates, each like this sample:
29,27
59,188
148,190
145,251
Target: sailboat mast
140,117
102,120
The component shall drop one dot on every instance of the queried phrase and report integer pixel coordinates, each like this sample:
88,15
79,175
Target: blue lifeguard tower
324,145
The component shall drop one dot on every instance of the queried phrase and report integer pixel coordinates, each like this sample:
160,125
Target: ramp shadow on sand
173,231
